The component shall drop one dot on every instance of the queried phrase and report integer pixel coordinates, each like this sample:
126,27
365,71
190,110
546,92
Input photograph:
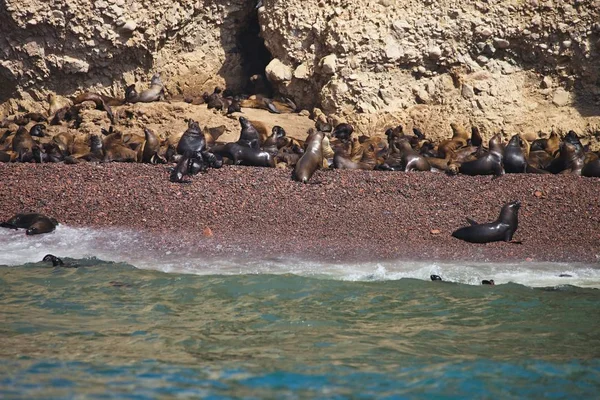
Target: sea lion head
495,144
510,211
155,80
38,130
244,123
55,260
193,126
515,141
278,132
131,93
343,132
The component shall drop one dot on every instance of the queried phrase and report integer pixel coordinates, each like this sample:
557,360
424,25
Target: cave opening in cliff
255,55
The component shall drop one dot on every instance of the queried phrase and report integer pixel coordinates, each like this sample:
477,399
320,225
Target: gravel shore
339,216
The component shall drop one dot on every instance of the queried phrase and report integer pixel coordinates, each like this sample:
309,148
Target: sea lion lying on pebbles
33,223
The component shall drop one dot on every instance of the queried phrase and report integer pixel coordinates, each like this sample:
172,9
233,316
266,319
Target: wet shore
339,216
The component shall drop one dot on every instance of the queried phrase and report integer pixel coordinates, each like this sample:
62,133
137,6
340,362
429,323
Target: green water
111,330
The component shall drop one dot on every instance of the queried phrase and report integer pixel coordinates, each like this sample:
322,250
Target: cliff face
69,45
519,65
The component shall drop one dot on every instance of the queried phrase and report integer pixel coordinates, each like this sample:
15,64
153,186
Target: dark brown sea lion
514,159
489,164
23,144
312,158
569,160
249,135
243,155
274,142
150,148
591,169
183,168
502,229
214,100
343,132
33,223
488,282
156,92
192,140
38,130
476,139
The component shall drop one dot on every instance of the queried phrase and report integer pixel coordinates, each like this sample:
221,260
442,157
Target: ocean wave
139,249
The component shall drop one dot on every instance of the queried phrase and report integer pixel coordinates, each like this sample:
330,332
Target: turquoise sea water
197,328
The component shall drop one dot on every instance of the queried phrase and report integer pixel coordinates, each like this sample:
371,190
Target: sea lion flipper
8,225
471,222
271,107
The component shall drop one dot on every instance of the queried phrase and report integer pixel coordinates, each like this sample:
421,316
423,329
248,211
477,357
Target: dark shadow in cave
246,48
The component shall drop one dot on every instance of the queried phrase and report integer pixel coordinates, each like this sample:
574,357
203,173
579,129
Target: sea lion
101,103
591,169
211,135
459,139
38,130
271,145
57,262
150,148
489,164
312,158
249,135
23,144
156,92
192,140
488,282
569,160
343,132
183,167
435,277
501,229
476,139
243,155
514,158
34,223
410,159
214,100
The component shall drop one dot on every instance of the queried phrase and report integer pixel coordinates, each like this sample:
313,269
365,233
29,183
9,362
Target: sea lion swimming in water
33,223
502,229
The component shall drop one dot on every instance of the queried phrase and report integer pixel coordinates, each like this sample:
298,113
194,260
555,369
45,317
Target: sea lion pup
312,158
514,158
183,167
502,229
156,92
274,142
34,223
211,135
249,135
569,160
98,100
214,100
591,169
489,164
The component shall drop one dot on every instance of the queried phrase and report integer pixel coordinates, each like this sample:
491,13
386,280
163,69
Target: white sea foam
131,247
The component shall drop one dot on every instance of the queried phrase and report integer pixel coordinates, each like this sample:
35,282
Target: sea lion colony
27,140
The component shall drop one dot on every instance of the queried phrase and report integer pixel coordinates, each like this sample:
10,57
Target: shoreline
341,216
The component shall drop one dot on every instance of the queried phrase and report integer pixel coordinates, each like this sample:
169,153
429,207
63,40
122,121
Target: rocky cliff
518,65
